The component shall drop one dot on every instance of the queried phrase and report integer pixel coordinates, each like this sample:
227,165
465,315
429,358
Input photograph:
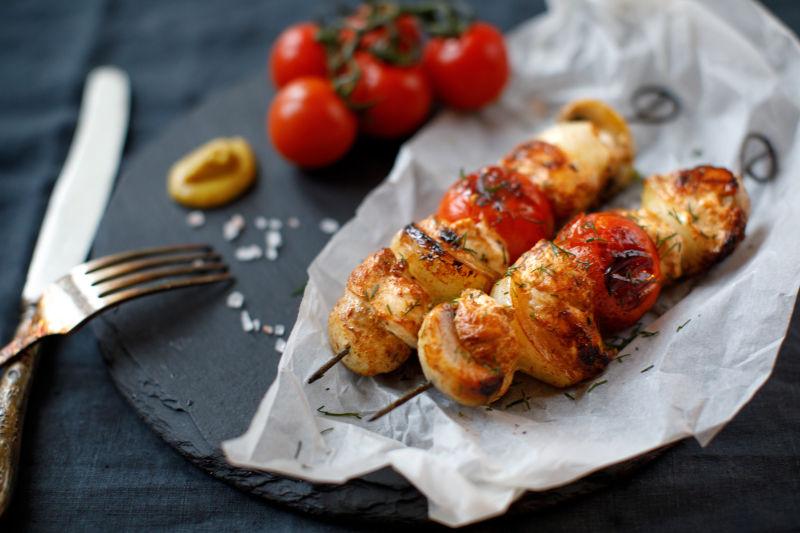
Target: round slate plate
182,359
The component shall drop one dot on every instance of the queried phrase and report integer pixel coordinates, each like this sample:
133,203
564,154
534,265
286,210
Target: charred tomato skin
509,203
623,262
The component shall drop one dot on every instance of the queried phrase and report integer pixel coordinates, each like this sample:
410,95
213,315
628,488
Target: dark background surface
90,464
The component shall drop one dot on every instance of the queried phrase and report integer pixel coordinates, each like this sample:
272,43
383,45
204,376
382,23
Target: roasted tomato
296,53
622,260
511,204
309,124
395,101
468,71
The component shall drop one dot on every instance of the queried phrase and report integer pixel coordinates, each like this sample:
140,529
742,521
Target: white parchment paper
736,69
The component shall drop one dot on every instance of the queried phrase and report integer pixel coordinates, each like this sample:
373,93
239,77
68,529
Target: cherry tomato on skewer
623,261
516,208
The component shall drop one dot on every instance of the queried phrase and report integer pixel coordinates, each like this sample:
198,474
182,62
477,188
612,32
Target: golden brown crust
707,206
373,349
435,268
467,348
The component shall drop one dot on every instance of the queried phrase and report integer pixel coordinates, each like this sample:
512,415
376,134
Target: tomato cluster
622,260
379,71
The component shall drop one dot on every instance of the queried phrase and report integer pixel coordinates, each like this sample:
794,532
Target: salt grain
260,223
275,224
247,322
266,328
233,227
248,253
280,329
274,239
280,345
329,226
235,300
271,254
293,222
195,219
256,324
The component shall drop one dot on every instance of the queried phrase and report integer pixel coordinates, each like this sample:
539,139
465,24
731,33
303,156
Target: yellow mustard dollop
214,174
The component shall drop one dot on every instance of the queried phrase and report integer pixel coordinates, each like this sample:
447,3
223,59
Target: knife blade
70,222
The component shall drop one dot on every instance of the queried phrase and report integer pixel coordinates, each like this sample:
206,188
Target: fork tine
131,280
128,267
103,262
177,283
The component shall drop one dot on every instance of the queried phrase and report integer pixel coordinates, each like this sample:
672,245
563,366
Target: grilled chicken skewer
486,221
546,317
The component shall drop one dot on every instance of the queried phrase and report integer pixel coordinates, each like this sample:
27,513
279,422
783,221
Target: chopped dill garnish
544,268
645,333
462,174
326,430
589,225
557,250
674,215
595,385
695,218
510,270
621,357
299,447
661,241
410,308
389,309
372,292
683,325
570,396
321,409
595,239
623,342
299,290
646,369
523,399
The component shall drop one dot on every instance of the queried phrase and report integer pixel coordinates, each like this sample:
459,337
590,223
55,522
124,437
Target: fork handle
15,387
31,330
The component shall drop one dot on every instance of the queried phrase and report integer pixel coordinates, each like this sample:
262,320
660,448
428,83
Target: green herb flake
299,290
321,409
595,385
326,430
621,357
648,368
683,325
570,396
645,333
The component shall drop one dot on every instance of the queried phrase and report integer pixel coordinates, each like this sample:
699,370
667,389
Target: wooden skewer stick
401,400
328,365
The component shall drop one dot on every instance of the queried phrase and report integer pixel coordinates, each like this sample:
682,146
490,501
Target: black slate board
182,360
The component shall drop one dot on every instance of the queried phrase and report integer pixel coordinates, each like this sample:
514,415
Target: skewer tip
328,365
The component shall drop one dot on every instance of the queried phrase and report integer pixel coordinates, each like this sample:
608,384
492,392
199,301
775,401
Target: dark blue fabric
90,464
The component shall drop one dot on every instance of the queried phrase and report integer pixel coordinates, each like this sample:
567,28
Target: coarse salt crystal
280,329
247,322
280,345
271,254
233,227
329,226
195,219
266,328
260,223
293,222
248,253
275,224
274,239
256,324
235,300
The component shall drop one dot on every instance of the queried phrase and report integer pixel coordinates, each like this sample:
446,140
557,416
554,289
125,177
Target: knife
70,222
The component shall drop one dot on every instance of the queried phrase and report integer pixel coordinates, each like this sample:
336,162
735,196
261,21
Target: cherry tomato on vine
296,53
395,101
622,260
309,124
515,207
404,39
468,71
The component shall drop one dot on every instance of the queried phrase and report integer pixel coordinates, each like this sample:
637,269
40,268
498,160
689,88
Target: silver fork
97,285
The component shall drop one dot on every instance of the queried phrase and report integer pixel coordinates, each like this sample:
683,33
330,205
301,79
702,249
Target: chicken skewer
486,221
546,317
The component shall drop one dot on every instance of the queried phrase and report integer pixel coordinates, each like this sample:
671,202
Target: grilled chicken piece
574,163
579,161
545,299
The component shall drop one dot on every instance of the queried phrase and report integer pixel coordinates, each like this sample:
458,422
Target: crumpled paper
736,70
